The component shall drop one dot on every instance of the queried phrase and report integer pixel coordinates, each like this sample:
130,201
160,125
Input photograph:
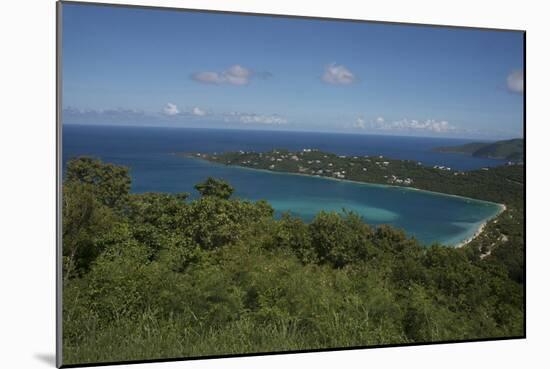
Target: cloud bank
104,116
406,125
170,115
251,118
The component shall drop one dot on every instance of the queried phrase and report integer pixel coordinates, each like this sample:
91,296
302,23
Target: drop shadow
46,358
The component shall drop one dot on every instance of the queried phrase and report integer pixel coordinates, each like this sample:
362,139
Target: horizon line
271,129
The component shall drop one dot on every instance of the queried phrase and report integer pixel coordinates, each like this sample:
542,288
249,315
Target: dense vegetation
508,149
155,276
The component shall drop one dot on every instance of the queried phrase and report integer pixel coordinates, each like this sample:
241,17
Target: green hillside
508,149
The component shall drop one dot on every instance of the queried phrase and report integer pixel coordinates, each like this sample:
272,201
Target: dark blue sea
149,153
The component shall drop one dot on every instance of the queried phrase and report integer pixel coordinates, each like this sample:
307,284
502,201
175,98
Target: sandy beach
480,228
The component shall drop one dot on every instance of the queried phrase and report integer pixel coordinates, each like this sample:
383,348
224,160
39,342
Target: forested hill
508,149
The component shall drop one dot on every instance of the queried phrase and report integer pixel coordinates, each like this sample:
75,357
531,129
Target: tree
157,209
213,222
291,233
215,188
339,240
84,219
111,183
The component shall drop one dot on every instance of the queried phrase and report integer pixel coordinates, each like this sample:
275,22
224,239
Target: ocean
149,153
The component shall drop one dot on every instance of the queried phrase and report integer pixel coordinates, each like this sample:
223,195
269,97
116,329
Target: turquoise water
429,217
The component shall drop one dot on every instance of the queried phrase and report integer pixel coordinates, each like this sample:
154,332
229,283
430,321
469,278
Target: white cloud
360,123
515,81
198,111
208,77
251,118
235,75
171,109
406,125
338,75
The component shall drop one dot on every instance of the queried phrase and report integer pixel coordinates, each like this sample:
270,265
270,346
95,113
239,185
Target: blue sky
171,68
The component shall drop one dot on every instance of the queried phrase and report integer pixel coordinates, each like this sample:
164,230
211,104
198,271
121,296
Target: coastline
460,244
349,181
480,229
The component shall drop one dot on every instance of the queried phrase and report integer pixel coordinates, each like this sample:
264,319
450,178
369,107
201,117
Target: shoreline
407,188
481,228
460,244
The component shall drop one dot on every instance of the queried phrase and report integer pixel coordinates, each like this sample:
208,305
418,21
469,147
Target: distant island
508,149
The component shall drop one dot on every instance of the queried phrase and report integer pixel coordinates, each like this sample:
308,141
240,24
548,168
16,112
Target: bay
149,152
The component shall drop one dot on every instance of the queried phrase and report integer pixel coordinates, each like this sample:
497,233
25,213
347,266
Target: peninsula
512,150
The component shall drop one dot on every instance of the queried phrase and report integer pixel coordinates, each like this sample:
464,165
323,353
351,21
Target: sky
131,66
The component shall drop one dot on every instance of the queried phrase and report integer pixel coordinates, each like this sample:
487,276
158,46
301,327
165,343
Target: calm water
149,154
